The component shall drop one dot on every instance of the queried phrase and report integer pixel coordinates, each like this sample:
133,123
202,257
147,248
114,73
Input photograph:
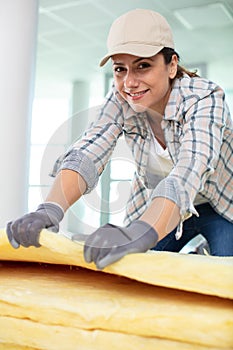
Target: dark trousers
217,231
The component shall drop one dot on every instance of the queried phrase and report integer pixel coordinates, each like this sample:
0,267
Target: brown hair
167,54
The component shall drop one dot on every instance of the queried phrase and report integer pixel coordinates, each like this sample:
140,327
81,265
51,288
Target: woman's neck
155,124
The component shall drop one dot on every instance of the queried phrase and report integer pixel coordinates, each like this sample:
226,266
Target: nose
130,80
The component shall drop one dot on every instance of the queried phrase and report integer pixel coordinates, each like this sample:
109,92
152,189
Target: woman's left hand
110,243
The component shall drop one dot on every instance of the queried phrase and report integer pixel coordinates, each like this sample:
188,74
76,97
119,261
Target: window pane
122,169
48,116
122,163
119,194
35,197
92,209
49,137
42,160
35,164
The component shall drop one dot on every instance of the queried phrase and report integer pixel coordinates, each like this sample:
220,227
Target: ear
173,67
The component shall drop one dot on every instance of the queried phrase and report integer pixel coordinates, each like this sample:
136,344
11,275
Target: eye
144,65
119,69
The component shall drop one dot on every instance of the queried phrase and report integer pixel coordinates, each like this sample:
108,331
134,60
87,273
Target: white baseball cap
139,32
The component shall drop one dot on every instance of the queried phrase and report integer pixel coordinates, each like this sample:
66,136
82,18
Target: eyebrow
136,61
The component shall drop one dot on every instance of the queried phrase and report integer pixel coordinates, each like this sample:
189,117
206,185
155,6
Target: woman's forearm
67,188
163,215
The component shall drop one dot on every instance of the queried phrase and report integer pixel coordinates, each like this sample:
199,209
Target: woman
179,129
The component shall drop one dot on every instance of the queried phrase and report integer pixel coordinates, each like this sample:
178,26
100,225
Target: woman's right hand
26,230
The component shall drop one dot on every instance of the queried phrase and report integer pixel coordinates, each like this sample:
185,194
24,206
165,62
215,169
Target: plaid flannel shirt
198,131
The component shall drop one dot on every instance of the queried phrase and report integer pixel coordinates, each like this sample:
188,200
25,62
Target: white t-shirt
159,161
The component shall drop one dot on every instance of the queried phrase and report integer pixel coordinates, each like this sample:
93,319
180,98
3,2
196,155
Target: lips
136,95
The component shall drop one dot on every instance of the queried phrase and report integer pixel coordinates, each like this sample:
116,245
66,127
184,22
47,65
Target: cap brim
132,49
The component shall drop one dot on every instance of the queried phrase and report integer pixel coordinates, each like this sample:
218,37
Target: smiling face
144,82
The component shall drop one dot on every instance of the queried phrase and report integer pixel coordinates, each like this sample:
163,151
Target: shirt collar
173,102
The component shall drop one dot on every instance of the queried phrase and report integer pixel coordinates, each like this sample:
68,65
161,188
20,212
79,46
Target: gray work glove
110,243
25,231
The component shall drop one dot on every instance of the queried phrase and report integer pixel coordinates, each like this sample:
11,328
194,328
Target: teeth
137,93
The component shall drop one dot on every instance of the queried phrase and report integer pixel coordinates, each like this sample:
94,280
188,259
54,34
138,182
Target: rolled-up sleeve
79,162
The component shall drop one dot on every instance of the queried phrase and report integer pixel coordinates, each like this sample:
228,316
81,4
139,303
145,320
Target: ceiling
72,34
